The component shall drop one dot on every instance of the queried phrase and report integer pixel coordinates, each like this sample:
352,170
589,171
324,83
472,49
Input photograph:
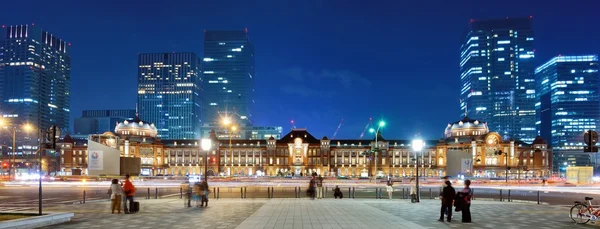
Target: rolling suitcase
135,207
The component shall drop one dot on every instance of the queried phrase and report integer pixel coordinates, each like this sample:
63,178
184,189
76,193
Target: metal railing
401,192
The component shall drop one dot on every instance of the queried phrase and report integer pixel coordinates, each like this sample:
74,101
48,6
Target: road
24,195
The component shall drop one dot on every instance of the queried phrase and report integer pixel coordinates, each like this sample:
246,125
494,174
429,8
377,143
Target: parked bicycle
582,213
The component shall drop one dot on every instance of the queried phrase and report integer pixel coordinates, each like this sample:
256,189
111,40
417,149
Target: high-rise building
228,72
35,77
568,104
497,76
100,121
169,93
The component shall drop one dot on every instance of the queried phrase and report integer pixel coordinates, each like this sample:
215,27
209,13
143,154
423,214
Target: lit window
500,59
236,50
503,42
208,59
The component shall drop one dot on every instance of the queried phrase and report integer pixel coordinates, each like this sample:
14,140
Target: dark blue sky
316,61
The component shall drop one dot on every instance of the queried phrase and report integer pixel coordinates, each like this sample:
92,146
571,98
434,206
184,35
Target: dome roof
539,141
466,127
136,127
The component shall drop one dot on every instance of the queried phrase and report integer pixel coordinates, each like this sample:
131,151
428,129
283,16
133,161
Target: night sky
316,61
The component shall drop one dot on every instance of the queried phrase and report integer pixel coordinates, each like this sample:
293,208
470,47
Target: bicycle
582,213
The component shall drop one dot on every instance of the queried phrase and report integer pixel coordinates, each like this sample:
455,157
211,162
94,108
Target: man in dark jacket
448,195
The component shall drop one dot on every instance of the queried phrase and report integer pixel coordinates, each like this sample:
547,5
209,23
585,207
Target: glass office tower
169,93
35,68
497,76
35,80
567,105
228,72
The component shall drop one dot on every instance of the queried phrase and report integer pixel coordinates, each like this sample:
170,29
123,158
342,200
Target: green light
371,130
381,123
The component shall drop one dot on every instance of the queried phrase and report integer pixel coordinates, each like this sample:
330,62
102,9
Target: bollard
472,194
353,192
214,193
349,192
156,193
299,191
402,192
180,192
218,193
500,194
538,197
84,196
430,194
245,192
509,200
148,195
241,192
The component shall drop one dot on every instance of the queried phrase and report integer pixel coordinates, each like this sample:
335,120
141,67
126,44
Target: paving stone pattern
325,213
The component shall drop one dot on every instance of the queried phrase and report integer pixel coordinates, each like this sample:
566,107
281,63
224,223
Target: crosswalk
15,209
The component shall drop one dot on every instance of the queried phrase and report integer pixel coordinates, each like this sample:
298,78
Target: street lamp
27,128
381,124
417,146
206,144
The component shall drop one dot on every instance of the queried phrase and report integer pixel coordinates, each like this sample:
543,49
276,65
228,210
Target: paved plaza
306,213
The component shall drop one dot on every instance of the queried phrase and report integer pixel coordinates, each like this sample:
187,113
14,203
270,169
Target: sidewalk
305,213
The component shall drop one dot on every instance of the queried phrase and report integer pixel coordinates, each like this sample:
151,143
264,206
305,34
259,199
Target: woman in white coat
413,190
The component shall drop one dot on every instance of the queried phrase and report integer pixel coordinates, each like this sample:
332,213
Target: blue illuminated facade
497,76
228,72
169,93
568,104
35,80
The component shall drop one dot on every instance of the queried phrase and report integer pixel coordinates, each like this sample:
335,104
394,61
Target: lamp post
206,145
228,124
12,160
381,124
417,146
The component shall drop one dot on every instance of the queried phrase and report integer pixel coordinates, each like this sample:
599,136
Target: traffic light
590,139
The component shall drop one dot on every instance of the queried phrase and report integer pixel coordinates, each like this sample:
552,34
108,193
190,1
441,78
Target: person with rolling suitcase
129,191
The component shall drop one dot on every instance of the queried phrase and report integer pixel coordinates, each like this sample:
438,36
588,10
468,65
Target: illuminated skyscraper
169,93
228,72
35,80
497,76
568,104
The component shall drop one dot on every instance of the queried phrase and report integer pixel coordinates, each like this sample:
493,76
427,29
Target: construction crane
293,125
337,130
366,128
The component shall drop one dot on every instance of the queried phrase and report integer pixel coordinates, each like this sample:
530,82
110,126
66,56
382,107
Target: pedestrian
413,190
448,194
319,187
186,192
116,193
467,192
204,194
129,191
337,193
311,188
198,192
444,179
389,188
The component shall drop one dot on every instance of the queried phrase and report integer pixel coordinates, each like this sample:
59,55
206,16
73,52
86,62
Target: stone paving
306,213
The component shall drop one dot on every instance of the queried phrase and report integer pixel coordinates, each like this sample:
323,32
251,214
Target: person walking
389,188
320,187
116,194
448,195
311,188
129,191
444,179
467,192
413,190
186,192
198,193
204,194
